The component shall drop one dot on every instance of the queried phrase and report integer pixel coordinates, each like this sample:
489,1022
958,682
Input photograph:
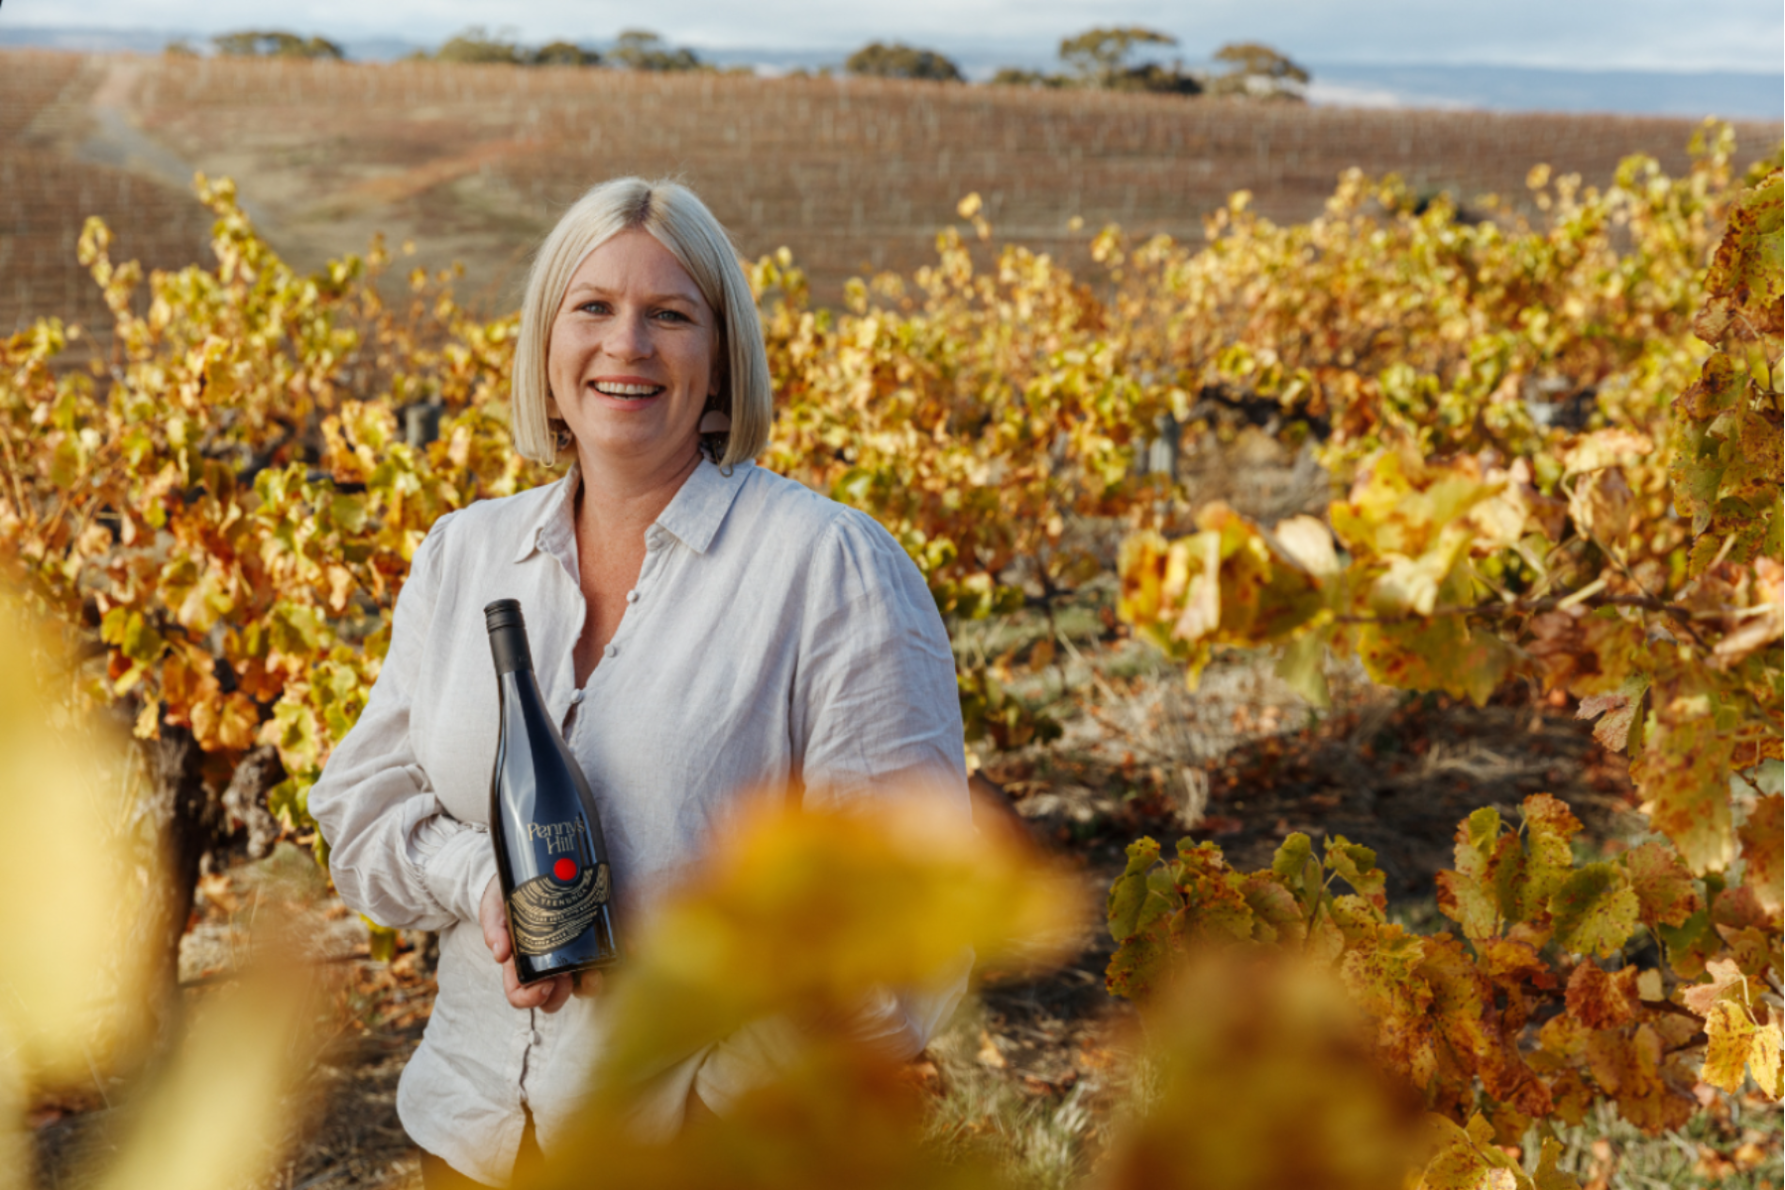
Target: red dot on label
565,869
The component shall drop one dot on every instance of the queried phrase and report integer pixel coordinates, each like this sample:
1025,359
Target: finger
495,936
518,996
493,921
557,995
548,994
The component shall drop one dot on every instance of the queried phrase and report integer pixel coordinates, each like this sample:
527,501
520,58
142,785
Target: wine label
549,911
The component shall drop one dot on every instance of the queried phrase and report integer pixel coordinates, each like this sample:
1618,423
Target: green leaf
1276,915
1291,860
1143,903
1303,666
139,641
1550,827
1294,864
1690,943
1129,894
1356,865
1594,911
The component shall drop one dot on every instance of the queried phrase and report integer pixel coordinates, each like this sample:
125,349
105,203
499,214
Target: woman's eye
672,316
593,307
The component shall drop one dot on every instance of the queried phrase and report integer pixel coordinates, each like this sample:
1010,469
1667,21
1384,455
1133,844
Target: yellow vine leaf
1729,1034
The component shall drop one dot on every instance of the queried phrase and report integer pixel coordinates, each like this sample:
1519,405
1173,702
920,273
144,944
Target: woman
699,627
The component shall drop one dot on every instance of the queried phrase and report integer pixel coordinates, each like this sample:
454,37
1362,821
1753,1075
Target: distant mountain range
1734,94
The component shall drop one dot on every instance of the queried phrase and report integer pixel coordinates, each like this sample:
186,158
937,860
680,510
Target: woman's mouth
626,392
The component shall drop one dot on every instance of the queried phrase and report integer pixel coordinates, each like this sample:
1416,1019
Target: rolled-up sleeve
395,854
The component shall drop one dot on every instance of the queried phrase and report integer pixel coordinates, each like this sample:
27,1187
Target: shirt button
632,597
611,651
576,697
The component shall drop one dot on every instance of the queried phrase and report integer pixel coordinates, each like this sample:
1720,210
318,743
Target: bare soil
474,163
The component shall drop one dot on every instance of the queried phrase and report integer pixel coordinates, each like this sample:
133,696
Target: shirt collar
554,528
693,516
698,509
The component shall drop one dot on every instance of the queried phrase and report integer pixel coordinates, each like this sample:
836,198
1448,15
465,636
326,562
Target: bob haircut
680,222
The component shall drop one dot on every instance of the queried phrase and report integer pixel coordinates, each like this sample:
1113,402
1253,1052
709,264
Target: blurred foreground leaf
73,967
215,1119
804,915
1266,1080
66,901
808,912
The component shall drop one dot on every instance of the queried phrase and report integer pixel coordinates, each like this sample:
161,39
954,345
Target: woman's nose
630,338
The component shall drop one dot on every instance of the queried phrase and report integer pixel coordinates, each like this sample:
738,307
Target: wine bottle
550,855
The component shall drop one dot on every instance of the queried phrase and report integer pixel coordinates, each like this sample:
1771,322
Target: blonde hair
680,222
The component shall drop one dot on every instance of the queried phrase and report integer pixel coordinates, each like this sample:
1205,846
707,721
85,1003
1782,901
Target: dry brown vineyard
474,162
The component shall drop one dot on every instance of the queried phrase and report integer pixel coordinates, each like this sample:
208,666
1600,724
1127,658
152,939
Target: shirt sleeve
395,854
876,714
876,708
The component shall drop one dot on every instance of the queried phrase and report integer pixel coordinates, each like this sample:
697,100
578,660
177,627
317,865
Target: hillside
474,162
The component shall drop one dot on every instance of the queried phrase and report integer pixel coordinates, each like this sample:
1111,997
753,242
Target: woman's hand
548,994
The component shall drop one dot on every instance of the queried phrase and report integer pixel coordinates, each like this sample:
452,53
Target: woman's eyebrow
593,290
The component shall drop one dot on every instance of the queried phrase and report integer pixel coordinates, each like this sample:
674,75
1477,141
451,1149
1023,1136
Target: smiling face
633,357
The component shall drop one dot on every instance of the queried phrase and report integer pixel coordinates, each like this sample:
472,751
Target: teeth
628,390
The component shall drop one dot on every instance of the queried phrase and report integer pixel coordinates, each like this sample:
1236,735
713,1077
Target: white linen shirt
774,636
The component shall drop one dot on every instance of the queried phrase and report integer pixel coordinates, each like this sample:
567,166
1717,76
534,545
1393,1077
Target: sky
1717,35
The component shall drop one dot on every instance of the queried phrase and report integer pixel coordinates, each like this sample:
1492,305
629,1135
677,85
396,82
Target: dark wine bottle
550,855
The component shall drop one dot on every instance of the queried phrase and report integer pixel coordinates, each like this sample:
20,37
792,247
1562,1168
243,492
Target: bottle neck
508,644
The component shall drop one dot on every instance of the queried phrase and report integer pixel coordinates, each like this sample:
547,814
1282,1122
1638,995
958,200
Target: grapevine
1633,563
1554,441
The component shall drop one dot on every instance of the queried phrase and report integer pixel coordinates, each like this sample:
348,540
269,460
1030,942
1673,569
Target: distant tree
564,53
275,43
1258,72
640,49
1160,80
898,61
1017,76
478,44
180,48
1250,57
1099,58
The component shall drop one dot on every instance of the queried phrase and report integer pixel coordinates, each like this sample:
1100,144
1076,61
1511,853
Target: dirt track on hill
474,163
